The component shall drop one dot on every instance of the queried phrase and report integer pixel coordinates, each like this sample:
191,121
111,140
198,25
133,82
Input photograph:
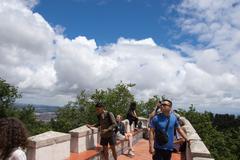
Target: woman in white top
13,139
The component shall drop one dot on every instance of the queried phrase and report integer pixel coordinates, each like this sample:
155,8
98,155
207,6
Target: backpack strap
109,117
115,129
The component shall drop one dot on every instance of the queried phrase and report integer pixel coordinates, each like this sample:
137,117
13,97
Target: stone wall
58,146
49,146
197,150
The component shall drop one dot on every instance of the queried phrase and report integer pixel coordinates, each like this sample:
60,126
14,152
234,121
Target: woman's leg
129,137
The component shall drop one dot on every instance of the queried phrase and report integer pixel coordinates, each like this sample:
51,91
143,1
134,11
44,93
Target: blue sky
107,20
187,50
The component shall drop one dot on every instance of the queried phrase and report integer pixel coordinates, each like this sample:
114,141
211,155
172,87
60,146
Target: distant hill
39,108
43,112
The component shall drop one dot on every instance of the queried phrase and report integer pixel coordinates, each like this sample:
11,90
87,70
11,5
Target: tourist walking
107,125
162,132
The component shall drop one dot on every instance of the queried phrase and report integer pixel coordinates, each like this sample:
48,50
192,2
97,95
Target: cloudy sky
187,50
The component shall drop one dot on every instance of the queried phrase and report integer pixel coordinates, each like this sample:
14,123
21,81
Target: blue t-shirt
159,122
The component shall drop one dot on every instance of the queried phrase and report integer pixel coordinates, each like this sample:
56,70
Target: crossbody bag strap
166,128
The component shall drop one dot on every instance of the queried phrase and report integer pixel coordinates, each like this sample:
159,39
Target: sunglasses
165,104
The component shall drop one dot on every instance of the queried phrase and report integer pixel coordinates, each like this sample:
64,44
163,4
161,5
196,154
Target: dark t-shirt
107,121
121,128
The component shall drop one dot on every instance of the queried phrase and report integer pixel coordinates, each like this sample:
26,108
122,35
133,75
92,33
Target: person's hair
176,111
119,116
167,100
99,105
13,135
133,106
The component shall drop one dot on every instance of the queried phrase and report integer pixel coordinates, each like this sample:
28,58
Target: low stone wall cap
198,149
83,131
201,158
47,138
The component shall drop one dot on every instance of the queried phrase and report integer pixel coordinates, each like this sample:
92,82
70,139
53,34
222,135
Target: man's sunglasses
165,104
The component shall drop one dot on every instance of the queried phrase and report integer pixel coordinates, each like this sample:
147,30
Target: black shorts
161,154
108,140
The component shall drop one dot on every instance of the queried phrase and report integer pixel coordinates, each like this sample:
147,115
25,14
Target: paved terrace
141,153
82,144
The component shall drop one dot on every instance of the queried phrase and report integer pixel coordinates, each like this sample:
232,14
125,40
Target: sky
187,50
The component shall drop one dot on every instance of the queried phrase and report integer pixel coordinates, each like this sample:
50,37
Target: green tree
145,108
28,117
212,138
82,110
8,95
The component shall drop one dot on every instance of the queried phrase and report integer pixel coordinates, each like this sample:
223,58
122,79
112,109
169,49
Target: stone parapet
58,146
144,122
196,149
83,138
49,146
200,158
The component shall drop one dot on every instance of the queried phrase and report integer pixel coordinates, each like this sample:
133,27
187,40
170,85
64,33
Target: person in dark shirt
106,124
131,115
123,135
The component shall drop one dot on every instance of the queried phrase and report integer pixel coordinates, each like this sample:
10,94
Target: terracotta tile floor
141,153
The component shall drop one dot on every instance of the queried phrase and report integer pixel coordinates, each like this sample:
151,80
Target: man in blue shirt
165,122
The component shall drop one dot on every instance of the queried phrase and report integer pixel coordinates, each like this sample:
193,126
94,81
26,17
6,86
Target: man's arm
92,125
153,113
182,133
151,140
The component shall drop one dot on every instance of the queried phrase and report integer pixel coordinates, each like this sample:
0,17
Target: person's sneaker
130,153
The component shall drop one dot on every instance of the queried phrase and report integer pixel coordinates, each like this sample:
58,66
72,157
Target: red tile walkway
141,153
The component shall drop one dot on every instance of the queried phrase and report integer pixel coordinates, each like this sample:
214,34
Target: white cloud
215,25
26,46
51,69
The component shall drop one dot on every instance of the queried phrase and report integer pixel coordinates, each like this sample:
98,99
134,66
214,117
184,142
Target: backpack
115,129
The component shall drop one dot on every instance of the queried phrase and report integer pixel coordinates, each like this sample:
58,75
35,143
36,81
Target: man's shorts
108,140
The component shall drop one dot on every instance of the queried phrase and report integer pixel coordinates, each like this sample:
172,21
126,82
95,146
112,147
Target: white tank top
18,154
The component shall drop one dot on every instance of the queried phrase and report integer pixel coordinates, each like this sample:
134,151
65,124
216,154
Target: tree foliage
8,95
82,110
220,133
223,143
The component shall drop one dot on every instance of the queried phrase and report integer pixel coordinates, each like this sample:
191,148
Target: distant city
43,112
